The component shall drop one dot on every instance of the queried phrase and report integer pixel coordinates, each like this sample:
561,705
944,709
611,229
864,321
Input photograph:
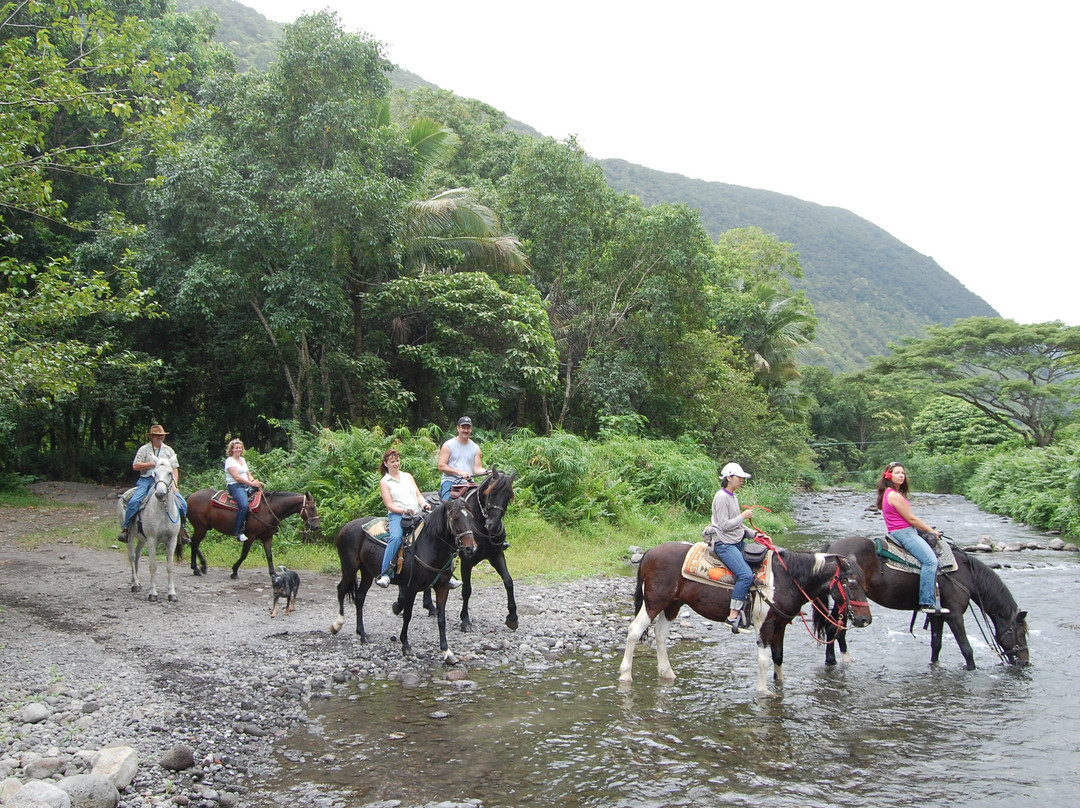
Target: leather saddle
702,566
221,499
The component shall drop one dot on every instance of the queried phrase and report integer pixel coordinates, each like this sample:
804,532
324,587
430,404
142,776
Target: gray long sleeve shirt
727,525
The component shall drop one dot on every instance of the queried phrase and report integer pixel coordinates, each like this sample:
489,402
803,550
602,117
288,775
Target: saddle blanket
378,528
221,499
702,566
897,558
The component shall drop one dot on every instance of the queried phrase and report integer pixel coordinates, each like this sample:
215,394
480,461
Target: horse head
163,480
460,523
1011,635
495,494
849,593
310,514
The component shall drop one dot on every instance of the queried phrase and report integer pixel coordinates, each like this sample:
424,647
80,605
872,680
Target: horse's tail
639,598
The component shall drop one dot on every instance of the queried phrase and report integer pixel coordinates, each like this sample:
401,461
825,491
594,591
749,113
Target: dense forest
289,251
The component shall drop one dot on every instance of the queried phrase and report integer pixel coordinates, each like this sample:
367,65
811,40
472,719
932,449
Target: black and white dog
286,585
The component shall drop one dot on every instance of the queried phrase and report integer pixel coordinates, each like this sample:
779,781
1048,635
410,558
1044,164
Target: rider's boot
123,537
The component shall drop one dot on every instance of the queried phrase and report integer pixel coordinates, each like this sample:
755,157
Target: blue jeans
911,541
142,488
239,492
731,555
393,544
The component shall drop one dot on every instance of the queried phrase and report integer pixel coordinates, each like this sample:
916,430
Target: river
886,730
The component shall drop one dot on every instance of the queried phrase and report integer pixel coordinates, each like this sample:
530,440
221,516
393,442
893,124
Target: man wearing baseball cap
459,458
727,535
145,460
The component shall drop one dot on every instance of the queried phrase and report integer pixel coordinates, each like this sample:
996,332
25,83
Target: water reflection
886,730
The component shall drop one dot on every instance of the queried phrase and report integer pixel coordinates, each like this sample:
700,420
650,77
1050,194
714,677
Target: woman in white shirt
401,495
239,479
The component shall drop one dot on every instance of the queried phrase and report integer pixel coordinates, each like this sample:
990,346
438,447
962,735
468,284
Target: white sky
951,125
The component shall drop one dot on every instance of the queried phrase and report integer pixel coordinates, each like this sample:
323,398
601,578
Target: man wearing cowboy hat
145,460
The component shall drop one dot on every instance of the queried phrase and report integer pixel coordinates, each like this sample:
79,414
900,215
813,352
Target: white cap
734,470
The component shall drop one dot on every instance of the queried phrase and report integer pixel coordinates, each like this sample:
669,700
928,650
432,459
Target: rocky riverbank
202,692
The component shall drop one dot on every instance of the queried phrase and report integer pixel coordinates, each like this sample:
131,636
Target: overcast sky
951,125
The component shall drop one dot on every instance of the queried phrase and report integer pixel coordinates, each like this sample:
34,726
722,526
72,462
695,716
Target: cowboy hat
158,429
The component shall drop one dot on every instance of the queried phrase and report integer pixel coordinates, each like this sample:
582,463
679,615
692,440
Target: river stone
1057,544
117,764
8,787
38,794
34,713
90,791
45,767
178,758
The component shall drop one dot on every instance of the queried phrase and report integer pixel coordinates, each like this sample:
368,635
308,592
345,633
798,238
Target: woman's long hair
885,483
386,456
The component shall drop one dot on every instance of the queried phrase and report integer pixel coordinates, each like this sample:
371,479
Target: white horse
158,520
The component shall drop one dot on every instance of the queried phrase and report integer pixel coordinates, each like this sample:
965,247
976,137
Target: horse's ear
1021,617
513,474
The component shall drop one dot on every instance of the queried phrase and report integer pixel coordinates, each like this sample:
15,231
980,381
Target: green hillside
868,288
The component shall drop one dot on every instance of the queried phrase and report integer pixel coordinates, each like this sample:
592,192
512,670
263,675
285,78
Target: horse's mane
499,482
799,565
987,589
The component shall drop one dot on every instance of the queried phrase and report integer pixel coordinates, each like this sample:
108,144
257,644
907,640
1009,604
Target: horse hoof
396,607
512,623
136,588
466,627
195,571
449,658
335,627
152,598
235,575
173,599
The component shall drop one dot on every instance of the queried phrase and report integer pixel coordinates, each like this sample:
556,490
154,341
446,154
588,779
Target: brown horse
261,524
428,561
795,579
972,581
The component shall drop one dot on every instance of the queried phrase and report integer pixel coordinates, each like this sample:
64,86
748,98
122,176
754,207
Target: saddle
702,566
896,557
221,499
461,489
378,530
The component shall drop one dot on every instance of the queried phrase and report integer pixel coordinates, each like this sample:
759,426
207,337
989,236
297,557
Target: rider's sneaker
454,583
382,581
241,537
932,609
506,545
183,535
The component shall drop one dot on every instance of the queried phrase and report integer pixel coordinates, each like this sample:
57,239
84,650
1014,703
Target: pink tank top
893,519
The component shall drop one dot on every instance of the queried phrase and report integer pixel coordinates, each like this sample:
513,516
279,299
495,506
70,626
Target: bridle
170,486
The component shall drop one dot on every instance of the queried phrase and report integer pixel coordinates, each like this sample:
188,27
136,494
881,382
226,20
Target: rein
170,487
836,583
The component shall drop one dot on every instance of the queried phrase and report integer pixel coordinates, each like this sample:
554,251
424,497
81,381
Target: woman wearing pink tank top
904,526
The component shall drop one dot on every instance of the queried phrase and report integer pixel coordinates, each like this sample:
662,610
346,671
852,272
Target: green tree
1024,377
85,98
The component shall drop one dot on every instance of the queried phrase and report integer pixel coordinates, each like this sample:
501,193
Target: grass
540,551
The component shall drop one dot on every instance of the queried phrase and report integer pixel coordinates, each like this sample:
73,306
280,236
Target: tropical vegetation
305,257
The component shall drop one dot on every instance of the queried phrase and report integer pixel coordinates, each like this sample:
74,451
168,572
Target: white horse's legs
151,551
637,628
135,545
663,664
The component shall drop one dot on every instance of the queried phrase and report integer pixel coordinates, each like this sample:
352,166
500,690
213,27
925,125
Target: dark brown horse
972,581
796,578
428,561
487,503
261,525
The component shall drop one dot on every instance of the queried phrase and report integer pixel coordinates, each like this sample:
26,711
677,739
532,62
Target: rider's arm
444,461
388,501
478,467
904,509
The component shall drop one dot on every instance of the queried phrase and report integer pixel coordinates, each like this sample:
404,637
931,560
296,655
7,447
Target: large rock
39,794
117,764
90,791
34,713
8,788
179,758
44,767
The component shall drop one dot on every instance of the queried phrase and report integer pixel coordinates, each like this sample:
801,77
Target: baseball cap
734,470
464,421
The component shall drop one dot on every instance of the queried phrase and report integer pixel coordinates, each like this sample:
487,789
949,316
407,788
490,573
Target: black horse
261,525
428,561
972,581
487,503
796,578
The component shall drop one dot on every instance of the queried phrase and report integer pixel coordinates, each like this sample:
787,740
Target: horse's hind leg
633,634
243,554
662,629
196,554
134,551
